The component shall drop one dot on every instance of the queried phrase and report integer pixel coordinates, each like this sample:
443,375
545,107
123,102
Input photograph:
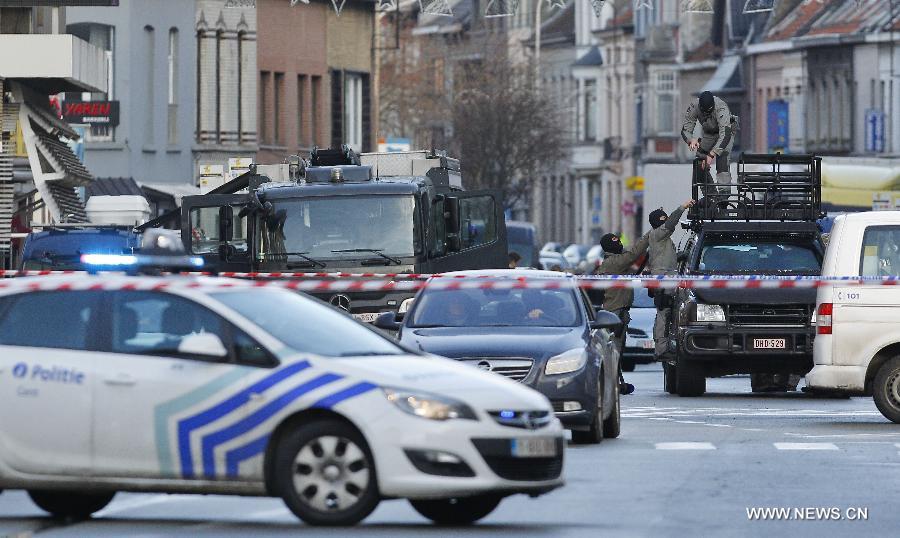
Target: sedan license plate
769,343
367,317
648,344
534,447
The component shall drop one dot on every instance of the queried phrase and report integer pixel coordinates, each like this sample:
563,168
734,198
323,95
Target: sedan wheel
326,474
612,426
594,434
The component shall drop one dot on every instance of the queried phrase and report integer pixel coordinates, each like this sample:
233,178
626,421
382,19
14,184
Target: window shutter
337,108
366,113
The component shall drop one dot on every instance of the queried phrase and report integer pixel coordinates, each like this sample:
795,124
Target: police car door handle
121,379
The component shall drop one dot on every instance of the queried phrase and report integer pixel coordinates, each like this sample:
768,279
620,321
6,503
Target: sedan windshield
496,308
341,227
306,325
760,257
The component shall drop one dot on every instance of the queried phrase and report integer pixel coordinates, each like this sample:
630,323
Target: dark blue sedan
552,340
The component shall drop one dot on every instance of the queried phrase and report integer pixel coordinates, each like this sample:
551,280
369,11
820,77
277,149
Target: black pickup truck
765,225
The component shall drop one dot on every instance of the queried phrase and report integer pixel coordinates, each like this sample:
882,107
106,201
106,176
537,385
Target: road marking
685,446
719,425
843,435
805,446
689,422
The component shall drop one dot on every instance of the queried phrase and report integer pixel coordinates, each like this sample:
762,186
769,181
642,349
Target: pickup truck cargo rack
773,187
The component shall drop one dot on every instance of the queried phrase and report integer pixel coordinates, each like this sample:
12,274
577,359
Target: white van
857,345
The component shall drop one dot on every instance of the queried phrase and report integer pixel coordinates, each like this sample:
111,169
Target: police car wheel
326,474
594,434
70,504
458,511
612,426
886,390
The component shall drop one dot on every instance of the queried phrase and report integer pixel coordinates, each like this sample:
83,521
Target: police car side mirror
388,321
606,320
203,344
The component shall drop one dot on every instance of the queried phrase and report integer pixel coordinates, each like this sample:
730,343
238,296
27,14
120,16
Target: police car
206,385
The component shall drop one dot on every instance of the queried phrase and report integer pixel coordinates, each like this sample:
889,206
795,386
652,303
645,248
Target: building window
278,92
590,110
301,101
219,37
150,43
665,102
199,88
240,85
315,91
353,110
173,86
264,78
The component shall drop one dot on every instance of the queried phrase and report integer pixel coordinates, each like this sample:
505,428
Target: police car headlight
708,312
570,361
430,406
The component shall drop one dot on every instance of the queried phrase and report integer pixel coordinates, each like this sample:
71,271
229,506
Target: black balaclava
658,218
707,102
611,244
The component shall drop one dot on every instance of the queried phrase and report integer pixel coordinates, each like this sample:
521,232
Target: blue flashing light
507,414
196,261
108,259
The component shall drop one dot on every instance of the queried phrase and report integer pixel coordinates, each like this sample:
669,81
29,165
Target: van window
53,319
880,255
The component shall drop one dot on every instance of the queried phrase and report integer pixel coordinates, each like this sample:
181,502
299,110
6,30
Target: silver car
639,345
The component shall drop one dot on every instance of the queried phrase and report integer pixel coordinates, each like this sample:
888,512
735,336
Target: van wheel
612,426
70,504
670,382
461,511
886,390
325,473
690,379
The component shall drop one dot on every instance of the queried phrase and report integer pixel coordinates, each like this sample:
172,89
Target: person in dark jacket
717,139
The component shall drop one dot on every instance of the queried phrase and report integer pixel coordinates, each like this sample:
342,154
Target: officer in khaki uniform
663,260
719,127
618,261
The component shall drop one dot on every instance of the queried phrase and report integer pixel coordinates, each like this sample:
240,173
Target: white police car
202,385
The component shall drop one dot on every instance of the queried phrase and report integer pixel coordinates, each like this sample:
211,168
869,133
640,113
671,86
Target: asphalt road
683,467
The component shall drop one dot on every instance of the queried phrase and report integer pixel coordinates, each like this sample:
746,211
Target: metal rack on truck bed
769,187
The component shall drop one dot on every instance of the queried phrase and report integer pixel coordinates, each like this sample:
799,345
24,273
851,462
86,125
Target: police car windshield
759,257
306,325
342,227
496,308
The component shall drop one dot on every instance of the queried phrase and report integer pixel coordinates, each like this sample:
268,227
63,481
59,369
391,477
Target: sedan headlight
708,312
430,406
570,361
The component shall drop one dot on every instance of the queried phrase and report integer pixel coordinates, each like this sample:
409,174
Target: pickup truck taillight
823,318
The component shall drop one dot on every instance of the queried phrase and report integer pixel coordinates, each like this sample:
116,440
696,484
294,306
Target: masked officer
663,260
618,261
719,125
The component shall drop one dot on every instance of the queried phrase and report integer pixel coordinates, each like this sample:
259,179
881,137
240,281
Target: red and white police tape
72,281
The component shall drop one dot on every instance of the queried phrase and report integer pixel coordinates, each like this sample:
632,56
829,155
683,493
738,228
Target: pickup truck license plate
534,447
367,317
769,343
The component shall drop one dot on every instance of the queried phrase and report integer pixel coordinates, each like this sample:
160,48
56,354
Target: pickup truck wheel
690,379
70,504
887,390
460,511
325,474
670,382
